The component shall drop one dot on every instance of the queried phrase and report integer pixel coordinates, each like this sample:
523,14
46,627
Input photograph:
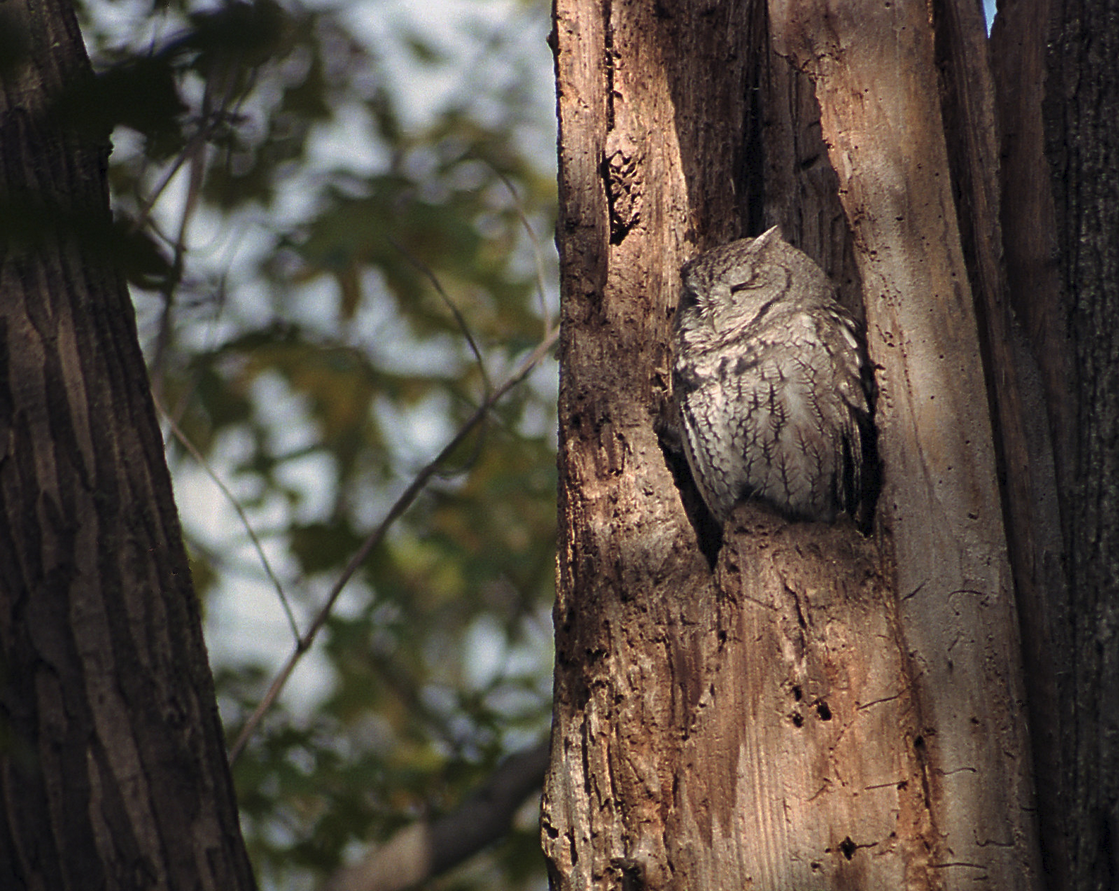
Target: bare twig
205,465
209,118
538,254
424,850
303,644
459,320
163,337
194,154
193,145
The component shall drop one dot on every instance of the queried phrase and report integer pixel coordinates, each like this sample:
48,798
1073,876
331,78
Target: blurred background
338,222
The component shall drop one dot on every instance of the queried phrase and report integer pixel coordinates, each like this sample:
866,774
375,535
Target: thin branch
188,152
163,337
205,465
194,153
209,121
424,850
303,644
538,254
459,320
462,323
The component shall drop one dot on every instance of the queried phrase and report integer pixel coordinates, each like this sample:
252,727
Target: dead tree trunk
1056,96
112,768
878,87
788,705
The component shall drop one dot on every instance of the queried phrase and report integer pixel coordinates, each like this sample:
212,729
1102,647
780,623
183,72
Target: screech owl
771,382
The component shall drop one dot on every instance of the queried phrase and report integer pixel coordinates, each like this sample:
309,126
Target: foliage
314,270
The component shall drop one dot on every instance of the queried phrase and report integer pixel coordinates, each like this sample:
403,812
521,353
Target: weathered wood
798,769
632,578
1024,451
1056,88
877,84
747,725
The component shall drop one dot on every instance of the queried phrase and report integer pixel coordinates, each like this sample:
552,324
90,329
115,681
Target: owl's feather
770,381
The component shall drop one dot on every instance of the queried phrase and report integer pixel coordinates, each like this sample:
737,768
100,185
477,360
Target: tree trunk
1056,93
782,706
941,502
113,771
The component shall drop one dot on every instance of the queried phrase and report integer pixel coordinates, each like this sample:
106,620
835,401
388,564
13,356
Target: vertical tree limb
1056,91
875,74
759,724
113,770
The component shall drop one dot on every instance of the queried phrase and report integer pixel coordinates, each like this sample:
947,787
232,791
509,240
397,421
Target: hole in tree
796,694
797,719
824,711
847,848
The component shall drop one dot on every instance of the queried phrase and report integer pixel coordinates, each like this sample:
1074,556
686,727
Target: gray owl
770,381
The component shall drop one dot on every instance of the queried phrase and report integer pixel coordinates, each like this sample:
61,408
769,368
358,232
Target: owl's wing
854,382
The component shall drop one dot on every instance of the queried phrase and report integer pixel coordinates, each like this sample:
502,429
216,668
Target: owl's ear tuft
770,236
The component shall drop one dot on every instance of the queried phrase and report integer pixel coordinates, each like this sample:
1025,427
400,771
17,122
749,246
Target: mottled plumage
770,381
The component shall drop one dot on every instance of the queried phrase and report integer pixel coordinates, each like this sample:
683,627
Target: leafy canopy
336,224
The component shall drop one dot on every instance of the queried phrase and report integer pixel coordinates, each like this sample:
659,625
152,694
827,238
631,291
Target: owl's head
731,284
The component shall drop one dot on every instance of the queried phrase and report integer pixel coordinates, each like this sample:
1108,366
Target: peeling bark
776,706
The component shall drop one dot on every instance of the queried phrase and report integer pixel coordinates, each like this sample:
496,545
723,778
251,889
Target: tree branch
184,440
427,849
375,538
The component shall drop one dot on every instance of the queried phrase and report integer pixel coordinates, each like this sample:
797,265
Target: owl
771,382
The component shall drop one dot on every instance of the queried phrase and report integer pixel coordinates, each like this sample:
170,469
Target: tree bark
779,706
1056,92
877,83
113,771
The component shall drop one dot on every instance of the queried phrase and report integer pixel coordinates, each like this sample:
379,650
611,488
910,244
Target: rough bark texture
794,706
1024,450
1056,89
630,598
797,769
113,771
876,80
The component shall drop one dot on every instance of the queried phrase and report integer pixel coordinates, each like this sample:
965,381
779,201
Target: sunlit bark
794,706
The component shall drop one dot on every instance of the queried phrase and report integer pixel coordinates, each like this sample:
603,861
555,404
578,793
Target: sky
244,619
